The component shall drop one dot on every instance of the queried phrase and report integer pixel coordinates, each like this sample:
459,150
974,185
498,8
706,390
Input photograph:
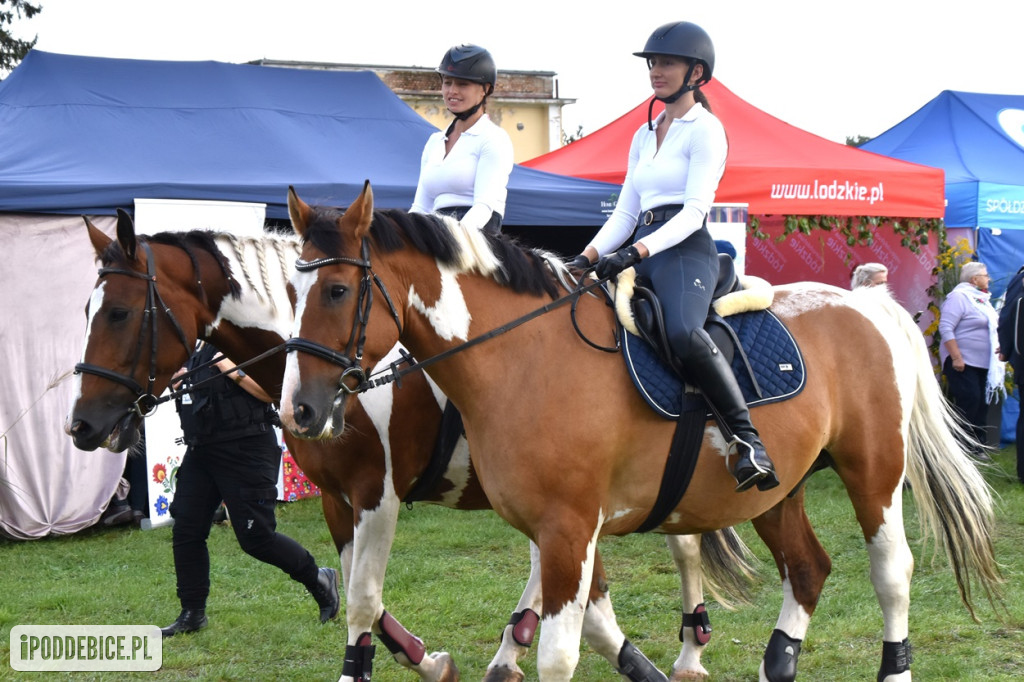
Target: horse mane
204,240
520,268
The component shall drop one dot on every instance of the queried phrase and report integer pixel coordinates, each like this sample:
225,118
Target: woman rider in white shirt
464,170
674,168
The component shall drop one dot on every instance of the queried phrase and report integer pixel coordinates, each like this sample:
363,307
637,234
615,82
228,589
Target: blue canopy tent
87,135
978,140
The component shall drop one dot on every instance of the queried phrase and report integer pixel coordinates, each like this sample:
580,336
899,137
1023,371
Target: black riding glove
614,263
580,262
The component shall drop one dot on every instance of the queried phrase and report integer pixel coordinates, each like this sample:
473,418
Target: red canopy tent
773,167
777,170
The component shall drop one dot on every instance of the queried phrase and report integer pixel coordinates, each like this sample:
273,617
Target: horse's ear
100,241
300,213
359,215
126,233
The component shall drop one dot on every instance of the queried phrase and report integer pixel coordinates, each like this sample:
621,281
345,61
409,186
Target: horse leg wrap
359,659
398,640
700,622
524,626
637,667
896,658
781,656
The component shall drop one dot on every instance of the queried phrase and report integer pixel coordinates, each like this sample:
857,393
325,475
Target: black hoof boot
325,591
190,620
753,466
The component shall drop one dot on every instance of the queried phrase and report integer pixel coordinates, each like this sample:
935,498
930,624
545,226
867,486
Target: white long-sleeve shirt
475,173
686,170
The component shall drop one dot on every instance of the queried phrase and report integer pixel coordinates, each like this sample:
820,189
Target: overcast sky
836,69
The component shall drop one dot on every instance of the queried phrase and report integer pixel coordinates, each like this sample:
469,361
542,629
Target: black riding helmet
471,63
681,39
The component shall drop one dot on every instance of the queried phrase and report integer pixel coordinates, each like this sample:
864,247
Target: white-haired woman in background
869,275
973,371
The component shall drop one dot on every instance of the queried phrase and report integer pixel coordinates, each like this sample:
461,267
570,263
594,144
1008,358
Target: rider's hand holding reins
616,262
580,262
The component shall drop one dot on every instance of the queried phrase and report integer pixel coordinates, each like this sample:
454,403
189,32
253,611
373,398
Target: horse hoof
447,671
686,675
503,674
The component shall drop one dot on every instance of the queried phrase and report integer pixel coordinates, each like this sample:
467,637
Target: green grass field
455,576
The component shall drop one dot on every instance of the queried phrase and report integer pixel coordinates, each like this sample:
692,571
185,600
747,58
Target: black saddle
651,324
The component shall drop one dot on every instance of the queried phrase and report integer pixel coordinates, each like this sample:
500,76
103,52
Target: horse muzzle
87,435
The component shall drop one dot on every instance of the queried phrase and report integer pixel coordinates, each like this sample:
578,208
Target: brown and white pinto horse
231,291
567,451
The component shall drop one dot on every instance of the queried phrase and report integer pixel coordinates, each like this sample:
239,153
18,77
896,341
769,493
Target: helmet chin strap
462,116
672,98
472,110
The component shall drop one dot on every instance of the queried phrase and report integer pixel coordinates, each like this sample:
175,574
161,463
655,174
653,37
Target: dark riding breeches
684,279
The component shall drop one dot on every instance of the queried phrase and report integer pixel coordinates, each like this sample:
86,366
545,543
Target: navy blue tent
978,140
85,135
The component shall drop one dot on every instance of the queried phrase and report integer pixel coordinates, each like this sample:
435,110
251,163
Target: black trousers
242,473
966,391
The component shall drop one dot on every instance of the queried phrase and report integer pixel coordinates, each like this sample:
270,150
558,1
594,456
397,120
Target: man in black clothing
233,455
1011,345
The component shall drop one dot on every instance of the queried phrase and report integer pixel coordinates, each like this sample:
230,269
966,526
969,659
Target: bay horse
157,294
566,449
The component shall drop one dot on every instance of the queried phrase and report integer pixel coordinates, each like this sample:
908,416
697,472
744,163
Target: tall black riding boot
710,370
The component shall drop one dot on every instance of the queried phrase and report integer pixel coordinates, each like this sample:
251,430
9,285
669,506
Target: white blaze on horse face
302,282
449,315
95,303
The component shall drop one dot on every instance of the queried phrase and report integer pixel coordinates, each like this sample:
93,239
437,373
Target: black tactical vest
219,409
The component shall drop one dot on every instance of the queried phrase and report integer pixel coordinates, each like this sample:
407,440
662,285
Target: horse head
133,343
333,288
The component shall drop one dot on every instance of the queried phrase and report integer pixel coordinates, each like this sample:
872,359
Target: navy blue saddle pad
774,357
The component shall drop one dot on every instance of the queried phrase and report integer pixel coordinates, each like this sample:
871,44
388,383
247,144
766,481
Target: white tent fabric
47,486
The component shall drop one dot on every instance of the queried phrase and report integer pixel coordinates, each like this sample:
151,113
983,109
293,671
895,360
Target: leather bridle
351,362
352,358
145,402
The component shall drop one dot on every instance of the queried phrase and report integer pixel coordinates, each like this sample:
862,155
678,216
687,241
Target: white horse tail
728,567
954,501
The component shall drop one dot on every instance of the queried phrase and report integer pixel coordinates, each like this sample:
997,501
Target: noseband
145,402
351,360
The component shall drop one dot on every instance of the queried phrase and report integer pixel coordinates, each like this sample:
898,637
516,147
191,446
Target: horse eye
338,291
118,315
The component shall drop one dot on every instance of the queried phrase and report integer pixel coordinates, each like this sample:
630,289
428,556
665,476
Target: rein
395,374
217,358
352,365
